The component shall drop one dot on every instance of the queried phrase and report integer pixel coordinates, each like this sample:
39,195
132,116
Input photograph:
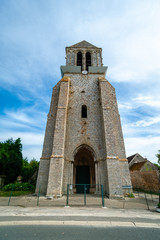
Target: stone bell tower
83,141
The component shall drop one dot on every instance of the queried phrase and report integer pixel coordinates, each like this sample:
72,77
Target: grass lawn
14,193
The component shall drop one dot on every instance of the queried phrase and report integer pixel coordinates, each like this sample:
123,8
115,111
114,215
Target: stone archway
84,169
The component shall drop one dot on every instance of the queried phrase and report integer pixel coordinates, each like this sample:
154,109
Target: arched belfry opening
84,169
88,60
79,59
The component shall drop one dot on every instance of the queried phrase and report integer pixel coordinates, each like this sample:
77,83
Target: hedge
19,187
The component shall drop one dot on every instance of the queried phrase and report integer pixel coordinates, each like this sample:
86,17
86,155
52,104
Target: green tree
29,168
34,165
11,159
158,156
26,170
158,161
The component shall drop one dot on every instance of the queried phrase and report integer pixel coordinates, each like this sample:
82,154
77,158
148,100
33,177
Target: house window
88,60
79,59
84,111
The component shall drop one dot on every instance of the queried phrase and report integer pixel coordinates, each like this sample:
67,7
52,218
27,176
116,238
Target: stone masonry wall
55,179
42,180
111,119
49,134
117,165
84,90
146,180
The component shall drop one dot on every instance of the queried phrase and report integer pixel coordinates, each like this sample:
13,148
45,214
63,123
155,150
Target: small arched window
79,59
84,111
88,60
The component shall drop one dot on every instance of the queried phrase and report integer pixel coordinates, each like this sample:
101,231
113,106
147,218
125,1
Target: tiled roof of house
137,166
130,158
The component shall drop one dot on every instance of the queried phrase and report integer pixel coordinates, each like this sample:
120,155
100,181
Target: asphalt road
60,232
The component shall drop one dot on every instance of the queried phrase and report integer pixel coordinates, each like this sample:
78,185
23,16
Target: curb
83,223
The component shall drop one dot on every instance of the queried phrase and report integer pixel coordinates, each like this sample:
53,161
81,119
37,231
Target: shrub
130,195
7,187
19,187
158,205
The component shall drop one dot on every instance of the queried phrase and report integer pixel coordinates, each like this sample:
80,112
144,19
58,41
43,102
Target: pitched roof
131,157
84,44
137,166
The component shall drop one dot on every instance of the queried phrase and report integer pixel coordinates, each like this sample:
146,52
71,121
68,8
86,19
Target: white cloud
141,128
146,146
152,101
130,38
147,122
27,115
150,104
19,116
32,45
125,106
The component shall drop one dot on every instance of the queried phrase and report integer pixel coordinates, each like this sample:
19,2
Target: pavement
54,213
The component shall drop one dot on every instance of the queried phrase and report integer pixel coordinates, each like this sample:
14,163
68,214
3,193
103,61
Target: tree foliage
29,168
158,156
158,161
158,166
11,159
12,163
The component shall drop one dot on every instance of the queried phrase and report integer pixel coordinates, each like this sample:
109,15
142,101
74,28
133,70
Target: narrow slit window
88,60
79,59
84,111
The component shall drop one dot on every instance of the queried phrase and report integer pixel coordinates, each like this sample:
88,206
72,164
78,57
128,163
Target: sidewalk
78,216
54,212
77,200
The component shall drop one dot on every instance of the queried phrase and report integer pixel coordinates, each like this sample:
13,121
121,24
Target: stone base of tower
114,177
118,182
56,173
55,179
42,180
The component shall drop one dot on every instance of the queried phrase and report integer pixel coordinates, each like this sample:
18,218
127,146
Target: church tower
83,141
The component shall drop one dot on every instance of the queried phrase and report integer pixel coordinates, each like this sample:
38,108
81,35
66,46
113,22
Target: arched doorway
84,169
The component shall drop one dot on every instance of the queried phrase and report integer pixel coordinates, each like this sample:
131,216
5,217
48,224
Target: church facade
83,141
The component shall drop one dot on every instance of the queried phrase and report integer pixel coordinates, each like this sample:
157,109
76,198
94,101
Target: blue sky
33,37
